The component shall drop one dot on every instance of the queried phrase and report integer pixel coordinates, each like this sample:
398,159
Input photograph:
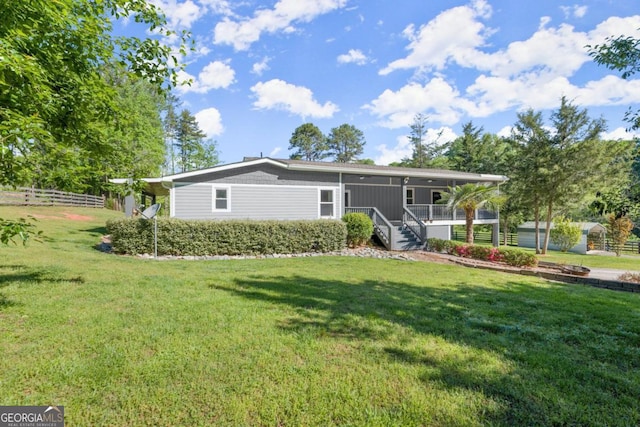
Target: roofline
411,172
327,167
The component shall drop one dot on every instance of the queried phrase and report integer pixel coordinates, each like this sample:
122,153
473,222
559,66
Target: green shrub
198,238
435,245
359,228
565,234
518,257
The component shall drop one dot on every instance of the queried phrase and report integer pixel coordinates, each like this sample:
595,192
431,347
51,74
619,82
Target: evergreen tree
193,151
346,143
309,142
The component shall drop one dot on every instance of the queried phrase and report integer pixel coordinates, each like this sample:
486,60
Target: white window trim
413,195
213,197
334,198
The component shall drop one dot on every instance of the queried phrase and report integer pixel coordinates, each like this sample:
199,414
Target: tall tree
479,152
620,54
54,95
309,142
470,197
530,175
346,143
417,138
194,152
170,124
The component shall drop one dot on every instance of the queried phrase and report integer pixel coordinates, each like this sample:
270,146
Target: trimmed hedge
510,256
359,228
235,237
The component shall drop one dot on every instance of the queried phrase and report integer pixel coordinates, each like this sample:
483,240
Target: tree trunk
536,213
469,224
548,229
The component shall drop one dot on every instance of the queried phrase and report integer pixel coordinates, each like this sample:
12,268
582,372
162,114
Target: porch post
129,200
495,235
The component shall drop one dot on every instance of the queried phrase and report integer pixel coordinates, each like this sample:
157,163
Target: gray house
402,202
593,234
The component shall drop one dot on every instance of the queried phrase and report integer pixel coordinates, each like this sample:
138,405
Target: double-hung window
221,199
326,204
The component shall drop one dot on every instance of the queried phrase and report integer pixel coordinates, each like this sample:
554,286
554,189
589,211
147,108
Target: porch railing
417,227
443,213
381,226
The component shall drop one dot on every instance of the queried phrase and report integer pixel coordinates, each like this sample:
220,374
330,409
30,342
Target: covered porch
405,209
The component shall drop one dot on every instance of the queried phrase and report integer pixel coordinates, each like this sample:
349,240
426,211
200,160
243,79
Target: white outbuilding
593,236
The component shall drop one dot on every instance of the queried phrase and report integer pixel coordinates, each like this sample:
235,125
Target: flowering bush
510,256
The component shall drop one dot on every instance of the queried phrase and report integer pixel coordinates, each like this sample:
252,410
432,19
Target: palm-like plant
470,197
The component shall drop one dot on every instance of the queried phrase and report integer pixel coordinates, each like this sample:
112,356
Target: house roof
156,184
584,226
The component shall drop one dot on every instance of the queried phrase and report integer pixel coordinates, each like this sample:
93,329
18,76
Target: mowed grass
305,341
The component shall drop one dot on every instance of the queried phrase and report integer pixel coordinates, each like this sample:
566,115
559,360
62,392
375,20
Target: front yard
305,341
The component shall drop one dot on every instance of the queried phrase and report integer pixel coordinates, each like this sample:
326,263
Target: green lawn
305,341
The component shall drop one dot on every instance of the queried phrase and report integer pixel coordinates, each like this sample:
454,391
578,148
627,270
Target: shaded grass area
315,341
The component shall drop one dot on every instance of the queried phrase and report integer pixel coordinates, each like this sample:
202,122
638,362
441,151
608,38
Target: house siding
388,199
263,202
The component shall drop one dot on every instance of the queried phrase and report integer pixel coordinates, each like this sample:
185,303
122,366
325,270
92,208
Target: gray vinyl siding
266,175
251,202
387,199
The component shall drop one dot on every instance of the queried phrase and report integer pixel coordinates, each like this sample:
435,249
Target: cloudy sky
264,67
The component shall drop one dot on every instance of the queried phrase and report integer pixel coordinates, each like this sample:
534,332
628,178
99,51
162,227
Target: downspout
171,198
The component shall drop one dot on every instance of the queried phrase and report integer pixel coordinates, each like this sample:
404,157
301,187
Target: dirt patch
66,215
76,217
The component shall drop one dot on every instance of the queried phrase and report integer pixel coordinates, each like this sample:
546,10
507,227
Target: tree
620,54
471,197
417,138
530,175
170,125
189,142
346,143
619,230
309,142
54,93
565,234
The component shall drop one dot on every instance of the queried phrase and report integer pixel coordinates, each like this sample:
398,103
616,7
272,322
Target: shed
593,236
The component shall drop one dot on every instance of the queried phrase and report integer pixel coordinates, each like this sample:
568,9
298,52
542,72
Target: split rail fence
25,196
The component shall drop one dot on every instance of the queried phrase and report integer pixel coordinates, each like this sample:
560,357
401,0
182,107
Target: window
221,199
326,203
411,196
435,196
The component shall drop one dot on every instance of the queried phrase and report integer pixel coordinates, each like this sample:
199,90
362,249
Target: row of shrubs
234,237
510,256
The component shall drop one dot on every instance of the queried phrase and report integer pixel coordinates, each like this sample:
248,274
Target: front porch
420,222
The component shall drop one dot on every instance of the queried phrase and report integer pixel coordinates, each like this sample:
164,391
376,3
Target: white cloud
619,134
354,56
221,7
575,11
210,121
275,152
262,66
180,14
215,75
453,34
438,99
403,148
242,33
279,95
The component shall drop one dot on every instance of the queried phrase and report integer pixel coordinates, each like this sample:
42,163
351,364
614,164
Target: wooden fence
512,240
24,196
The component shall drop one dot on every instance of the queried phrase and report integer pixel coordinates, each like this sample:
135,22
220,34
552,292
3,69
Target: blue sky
262,68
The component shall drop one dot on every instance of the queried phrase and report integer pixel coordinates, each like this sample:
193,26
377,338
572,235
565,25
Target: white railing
25,196
443,213
417,227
